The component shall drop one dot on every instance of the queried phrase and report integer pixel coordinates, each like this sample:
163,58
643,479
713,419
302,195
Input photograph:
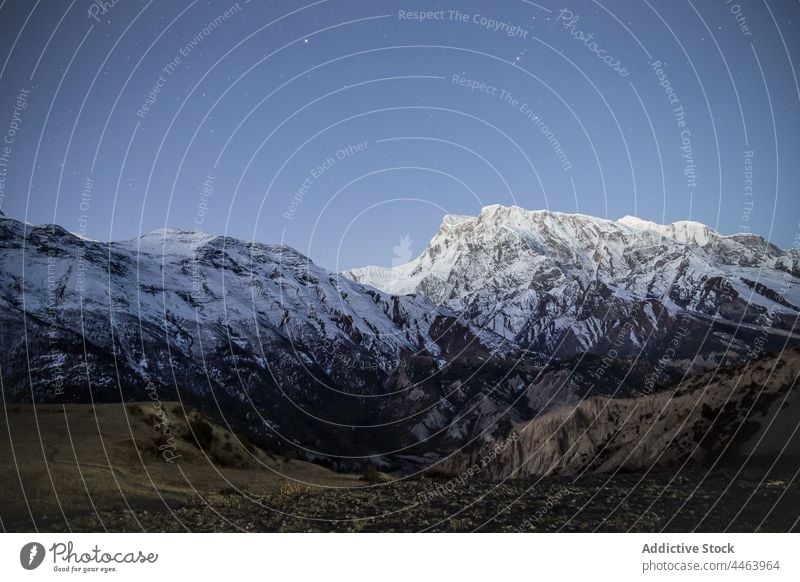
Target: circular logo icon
31,555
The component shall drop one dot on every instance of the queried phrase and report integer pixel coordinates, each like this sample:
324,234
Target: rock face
563,284
739,412
504,317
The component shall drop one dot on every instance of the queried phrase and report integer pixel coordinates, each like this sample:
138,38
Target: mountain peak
514,261
637,223
685,231
500,208
173,241
455,219
173,233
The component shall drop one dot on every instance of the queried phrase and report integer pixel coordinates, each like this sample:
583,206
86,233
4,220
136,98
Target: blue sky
340,127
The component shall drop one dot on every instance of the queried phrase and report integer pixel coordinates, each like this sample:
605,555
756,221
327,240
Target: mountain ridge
669,230
294,355
574,272
510,318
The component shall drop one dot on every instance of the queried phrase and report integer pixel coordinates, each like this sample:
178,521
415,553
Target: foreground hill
66,462
729,414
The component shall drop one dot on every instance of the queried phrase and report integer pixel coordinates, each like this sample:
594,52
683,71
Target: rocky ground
755,500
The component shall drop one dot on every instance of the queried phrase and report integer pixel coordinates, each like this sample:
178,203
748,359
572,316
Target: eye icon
31,555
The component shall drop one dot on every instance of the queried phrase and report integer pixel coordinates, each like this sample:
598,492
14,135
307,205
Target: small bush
372,475
230,492
293,488
202,433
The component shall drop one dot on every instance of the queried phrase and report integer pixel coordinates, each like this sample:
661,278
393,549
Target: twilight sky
341,126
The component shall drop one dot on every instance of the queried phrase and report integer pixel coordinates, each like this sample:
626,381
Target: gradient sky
260,97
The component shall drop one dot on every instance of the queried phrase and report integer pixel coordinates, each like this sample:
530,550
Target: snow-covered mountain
288,352
504,316
563,284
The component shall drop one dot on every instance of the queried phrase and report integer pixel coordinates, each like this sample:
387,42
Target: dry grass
79,459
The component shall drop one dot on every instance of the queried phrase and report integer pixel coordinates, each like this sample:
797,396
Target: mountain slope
295,356
730,413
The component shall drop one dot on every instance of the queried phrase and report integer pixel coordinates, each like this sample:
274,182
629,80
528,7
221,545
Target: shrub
202,433
371,474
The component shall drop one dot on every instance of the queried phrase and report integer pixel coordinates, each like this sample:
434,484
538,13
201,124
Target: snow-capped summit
454,219
685,231
168,241
544,278
637,223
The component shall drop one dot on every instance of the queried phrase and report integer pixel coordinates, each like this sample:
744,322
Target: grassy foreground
60,474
